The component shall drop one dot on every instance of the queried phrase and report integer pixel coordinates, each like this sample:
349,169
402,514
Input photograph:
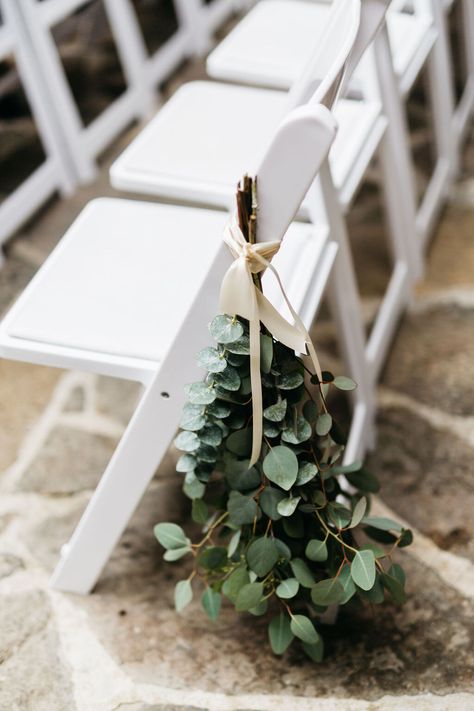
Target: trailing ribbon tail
240,296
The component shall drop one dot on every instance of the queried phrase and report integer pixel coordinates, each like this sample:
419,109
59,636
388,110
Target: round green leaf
242,509
269,500
211,360
287,588
240,477
213,557
301,434
342,382
363,480
306,472
241,346
314,651
358,512
183,594
192,487
233,543
266,353
323,424
176,553
327,592
170,535
280,634
249,596
200,394
186,463
229,379
281,467
303,628
211,435
199,511
363,569
276,412
302,573
225,329
291,381
316,550
287,507
338,514
383,524
219,409
259,609
310,411
240,442
235,582
262,554
187,441
211,602
347,584
192,417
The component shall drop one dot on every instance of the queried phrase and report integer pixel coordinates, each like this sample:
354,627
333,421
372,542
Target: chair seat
125,275
209,134
272,44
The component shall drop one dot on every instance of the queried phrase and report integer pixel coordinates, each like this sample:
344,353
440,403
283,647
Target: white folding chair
138,283
416,38
140,72
54,174
205,18
208,132
465,106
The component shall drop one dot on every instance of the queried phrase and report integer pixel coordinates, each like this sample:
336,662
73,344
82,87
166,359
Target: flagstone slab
25,391
431,360
427,476
69,461
117,398
33,676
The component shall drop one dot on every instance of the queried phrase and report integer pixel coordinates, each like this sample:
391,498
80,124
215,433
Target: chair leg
346,310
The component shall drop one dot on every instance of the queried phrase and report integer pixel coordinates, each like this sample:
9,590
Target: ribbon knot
240,296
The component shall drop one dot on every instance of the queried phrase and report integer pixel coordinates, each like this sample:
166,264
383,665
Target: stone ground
123,648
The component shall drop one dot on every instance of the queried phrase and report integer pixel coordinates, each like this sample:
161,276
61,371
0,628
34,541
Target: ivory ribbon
240,296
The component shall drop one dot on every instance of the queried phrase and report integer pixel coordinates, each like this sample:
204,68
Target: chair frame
56,173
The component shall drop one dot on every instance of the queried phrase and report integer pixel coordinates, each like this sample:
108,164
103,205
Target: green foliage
282,538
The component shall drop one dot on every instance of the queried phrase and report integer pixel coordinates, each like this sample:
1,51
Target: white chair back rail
55,174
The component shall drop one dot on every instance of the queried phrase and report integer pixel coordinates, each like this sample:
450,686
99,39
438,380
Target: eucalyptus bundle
291,535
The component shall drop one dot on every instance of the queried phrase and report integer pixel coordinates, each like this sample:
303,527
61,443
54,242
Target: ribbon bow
239,295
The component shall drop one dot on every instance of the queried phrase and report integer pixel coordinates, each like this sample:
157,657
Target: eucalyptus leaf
376,550
302,573
240,477
219,409
199,511
225,329
271,429
183,594
211,435
186,463
260,609
338,514
211,360
287,588
266,353
291,381
242,509
201,394
376,594
207,454
229,379
342,382
315,651
306,472
262,555
363,569
281,467
235,582
327,592
280,634
249,596
170,535
358,512
347,583
269,500
323,424
211,602
364,481
192,420
213,557
276,412
240,346
187,441
310,411
287,507
301,433
240,442
394,587
233,543
316,550
303,628
383,524
192,487
176,553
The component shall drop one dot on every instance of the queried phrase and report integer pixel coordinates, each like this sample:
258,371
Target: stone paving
124,648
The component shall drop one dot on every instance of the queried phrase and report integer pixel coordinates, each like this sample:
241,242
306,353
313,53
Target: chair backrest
351,26
290,164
